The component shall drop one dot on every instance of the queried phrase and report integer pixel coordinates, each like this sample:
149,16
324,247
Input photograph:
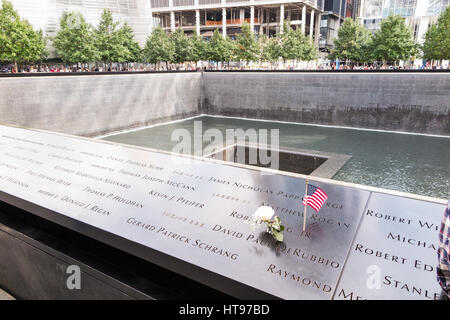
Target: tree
291,44
394,41
219,49
74,41
229,53
430,46
108,39
19,43
352,42
367,51
310,50
198,46
263,53
436,45
158,47
294,45
131,52
270,48
287,42
246,48
305,49
35,45
182,46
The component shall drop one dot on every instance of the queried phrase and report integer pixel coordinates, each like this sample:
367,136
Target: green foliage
198,46
182,46
430,46
295,45
18,41
74,41
215,47
286,26
246,47
77,41
275,228
290,45
131,51
310,51
307,50
287,42
263,42
436,44
367,51
353,42
108,39
34,46
394,40
229,53
271,49
158,47
219,49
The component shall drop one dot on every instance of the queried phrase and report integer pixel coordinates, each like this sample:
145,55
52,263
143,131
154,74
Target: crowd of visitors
52,68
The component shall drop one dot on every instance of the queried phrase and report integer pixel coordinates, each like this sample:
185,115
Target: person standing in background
443,269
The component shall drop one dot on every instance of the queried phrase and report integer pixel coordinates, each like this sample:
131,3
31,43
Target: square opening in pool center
308,162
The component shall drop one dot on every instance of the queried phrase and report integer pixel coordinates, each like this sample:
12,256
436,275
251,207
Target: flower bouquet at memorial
273,223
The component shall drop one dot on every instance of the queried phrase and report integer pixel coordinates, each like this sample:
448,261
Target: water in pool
405,162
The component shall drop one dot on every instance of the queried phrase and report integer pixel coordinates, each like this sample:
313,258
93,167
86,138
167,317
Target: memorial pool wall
410,102
95,104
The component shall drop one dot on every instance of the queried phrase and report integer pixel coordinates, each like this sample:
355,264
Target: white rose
264,213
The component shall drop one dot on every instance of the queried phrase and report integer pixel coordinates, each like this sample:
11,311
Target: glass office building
419,14
45,14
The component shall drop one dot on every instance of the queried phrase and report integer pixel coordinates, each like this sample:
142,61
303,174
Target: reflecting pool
405,162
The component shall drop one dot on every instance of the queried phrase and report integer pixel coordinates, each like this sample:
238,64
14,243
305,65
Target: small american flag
315,197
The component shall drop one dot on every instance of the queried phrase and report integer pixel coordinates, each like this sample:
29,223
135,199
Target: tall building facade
335,11
45,14
201,16
419,14
264,16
